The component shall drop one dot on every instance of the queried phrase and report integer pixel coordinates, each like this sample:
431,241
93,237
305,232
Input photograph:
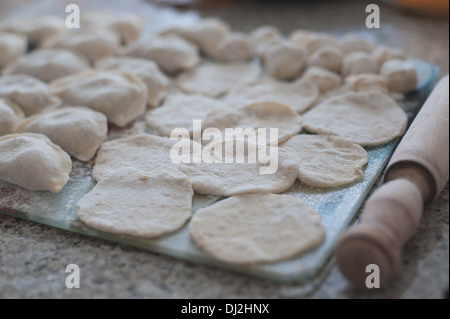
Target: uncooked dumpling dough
328,57
148,71
141,152
236,47
326,161
77,130
357,63
12,47
33,162
366,118
250,176
257,228
325,80
93,44
258,115
366,82
384,53
215,79
284,60
352,43
172,53
48,64
137,203
263,36
31,94
121,96
400,75
179,111
10,115
312,40
298,95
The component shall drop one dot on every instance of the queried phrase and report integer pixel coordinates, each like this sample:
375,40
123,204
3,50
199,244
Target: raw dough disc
365,118
299,95
179,111
257,228
326,161
215,79
137,204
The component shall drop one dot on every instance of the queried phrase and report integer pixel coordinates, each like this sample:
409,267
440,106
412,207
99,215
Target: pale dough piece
325,80
258,115
36,29
400,75
366,118
10,115
138,204
126,25
12,47
357,63
172,53
326,161
226,179
119,95
143,152
179,111
384,53
353,43
48,64
31,94
33,162
328,57
257,228
236,47
206,34
366,82
148,71
215,79
312,40
263,36
298,95
93,44
79,131
284,60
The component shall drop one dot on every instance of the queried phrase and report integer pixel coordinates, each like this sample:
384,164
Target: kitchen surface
34,257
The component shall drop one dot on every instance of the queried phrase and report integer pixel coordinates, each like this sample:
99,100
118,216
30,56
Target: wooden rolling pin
416,174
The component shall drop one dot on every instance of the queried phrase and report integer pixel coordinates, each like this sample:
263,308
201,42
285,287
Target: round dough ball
256,228
328,57
353,43
401,76
236,47
312,40
262,37
284,61
384,53
366,82
366,118
10,115
137,203
12,47
325,80
357,63
326,161
48,65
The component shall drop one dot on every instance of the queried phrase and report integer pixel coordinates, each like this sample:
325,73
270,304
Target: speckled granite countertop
33,257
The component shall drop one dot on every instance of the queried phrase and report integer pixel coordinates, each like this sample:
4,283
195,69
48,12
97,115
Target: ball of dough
12,47
263,36
328,57
10,115
353,43
236,47
366,82
325,80
384,53
312,40
284,61
357,63
401,75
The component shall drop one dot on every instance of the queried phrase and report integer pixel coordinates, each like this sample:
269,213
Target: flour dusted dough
227,179
33,162
328,57
353,43
138,204
298,95
236,47
48,64
257,228
215,79
400,75
263,36
312,40
31,94
258,115
325,80
141,152
366,118
366,82
148,71
12,47
93,44
10,115
384,53
357,63
172,53
77,130
326,161
284,60
179,111
121,96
